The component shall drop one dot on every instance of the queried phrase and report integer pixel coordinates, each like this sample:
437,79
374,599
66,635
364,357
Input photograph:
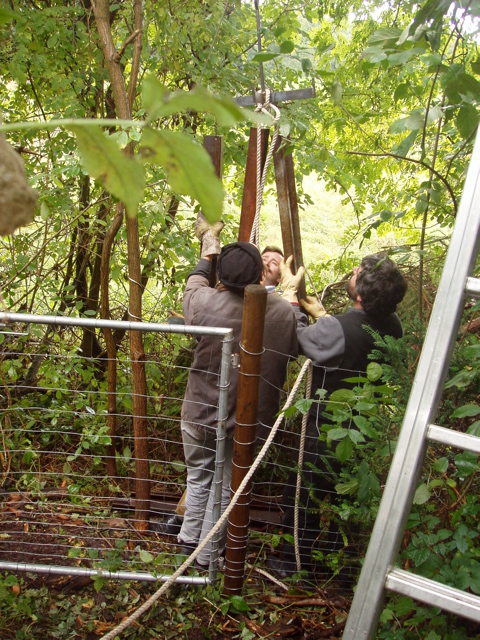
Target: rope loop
262,175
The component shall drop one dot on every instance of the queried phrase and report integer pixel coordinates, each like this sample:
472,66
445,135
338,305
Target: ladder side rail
421,409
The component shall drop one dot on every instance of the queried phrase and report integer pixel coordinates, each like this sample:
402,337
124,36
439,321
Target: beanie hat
239,264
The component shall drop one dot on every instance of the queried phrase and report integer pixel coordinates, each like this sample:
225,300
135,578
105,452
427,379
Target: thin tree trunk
123,106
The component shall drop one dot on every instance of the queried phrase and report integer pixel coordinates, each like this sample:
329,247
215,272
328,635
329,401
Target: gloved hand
313,307
289,282
209,235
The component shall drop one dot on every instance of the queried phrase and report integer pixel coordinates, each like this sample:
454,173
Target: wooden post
213,145
288,209
253,323
249,198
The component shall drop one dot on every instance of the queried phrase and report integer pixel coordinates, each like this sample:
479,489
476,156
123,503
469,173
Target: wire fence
60,512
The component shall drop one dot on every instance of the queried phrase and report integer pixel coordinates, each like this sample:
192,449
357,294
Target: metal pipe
220,448
97,573
95,323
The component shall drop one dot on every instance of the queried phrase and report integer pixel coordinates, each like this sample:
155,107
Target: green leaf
239,603
467,410
476,66
121,175
159,103
402,91
287,46
419,556
342,395
402,57
264,56
364,425
435,113
440,465
368,488
98,583
44,211
6,15
189,168
422,494
303,405
306,65
413,122
374,371
344,450
466,463
462,379
474,428
385,35
145,556
467,120
355,436
178,465
406,144
347,488
337,92
375,55
337,434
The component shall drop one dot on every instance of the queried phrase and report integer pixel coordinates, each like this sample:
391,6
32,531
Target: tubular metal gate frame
226,335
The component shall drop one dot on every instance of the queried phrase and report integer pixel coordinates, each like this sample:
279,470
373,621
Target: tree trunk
123,105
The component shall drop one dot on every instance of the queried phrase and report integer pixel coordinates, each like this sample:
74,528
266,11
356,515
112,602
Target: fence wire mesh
61,512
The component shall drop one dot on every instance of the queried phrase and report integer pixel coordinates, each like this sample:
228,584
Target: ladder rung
453,438
434,593
472,287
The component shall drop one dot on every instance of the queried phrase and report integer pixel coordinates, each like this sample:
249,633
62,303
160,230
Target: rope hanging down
261,454
262,176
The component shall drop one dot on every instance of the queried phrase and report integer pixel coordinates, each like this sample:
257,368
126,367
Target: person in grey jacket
339,347
239,264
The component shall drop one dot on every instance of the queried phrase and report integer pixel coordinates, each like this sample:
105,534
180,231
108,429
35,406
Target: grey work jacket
204,306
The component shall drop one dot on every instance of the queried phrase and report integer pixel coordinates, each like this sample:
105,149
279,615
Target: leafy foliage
391,130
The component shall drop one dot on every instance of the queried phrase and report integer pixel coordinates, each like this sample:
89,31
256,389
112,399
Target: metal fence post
251,349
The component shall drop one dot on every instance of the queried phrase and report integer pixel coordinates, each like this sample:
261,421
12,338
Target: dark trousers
319,470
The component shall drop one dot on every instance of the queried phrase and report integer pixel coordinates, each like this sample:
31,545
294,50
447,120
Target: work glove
289,282
209,235
313,307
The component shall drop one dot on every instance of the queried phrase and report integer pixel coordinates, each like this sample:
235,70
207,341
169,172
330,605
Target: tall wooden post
288,209
213,145
249,198
253,323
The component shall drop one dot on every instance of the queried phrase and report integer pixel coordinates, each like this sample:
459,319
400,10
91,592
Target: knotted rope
262,175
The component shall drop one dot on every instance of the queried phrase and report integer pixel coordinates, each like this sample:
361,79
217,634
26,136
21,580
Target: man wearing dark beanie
239,264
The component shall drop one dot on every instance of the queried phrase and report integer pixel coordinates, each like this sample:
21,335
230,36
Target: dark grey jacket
204,306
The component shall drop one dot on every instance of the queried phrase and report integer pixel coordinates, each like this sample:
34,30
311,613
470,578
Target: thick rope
166,585
262,175
301,448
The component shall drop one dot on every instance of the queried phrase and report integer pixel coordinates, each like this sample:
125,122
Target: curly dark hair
380,285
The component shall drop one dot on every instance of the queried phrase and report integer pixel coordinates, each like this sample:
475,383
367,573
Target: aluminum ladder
379,574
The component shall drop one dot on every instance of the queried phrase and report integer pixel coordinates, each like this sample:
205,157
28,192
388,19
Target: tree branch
386,154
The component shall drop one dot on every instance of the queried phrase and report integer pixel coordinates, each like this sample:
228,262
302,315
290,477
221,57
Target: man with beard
339,347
